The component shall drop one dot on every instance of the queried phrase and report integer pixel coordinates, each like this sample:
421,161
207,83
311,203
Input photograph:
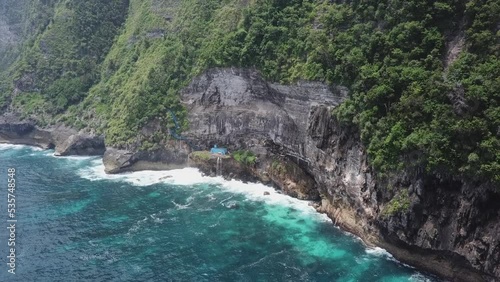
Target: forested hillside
63,44
424,76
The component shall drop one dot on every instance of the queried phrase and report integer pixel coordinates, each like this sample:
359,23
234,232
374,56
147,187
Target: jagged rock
172,155
238,108
12,130
65,140
117,160
81,144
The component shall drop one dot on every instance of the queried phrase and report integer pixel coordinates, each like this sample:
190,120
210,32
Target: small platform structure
218,151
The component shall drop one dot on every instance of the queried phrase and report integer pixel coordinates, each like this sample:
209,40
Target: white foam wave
4,147
156,219
192,176
136,226
181,207
211,197
74,158
187,176
379,252
419,277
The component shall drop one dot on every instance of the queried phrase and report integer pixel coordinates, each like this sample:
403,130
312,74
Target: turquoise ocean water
77,224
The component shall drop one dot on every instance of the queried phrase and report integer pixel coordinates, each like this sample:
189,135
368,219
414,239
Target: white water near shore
92,169
189,177
4,147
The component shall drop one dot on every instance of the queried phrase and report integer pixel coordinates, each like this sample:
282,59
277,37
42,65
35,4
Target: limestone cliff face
446,226
238,108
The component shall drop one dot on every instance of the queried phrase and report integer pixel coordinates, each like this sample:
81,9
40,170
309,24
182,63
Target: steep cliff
444,225
411,160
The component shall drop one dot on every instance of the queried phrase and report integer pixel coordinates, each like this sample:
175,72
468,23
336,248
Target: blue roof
216,150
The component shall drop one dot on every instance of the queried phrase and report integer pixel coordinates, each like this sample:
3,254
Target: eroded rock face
12,130
65,140
117,160
453,216
172,155
450,227
237,107
81,144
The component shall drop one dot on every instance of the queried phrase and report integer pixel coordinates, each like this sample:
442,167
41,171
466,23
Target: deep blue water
77,224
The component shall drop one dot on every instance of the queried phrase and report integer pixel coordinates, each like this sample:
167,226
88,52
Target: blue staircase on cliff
173,133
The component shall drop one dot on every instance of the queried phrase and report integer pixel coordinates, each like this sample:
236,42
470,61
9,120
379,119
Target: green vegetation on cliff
60,62
424,76
245,157
399,203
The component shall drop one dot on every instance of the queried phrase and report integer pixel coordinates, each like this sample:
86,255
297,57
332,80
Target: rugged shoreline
450,267
441,224
345,218
64,140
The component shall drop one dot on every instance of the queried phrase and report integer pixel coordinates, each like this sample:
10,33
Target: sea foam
376,251
189,177
4,147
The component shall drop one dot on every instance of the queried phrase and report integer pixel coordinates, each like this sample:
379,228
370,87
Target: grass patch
201,155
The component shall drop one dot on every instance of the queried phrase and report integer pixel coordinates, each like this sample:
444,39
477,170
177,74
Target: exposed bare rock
446,226
81,144
65,140
454,45
117,160
172,155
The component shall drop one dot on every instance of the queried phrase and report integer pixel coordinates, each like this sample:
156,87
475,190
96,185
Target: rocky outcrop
440,223
452,216
228,168
281,173
65,140
238,108
81,144
171,155
12,130
443,225
117,160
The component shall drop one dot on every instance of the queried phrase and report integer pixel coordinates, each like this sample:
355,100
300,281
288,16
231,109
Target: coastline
447,266
370,245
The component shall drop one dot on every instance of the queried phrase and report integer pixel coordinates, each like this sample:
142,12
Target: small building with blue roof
218,151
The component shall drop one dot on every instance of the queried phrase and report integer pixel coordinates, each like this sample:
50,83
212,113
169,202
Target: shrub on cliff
245,157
